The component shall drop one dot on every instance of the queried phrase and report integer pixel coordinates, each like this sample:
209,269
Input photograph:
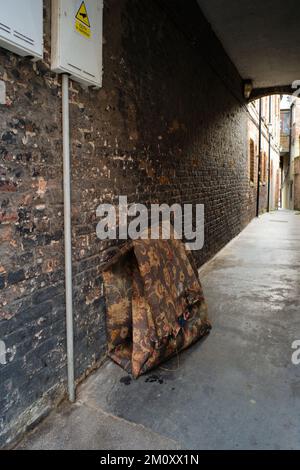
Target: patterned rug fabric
155,304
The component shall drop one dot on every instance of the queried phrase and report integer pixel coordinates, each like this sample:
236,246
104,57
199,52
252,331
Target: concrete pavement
237,389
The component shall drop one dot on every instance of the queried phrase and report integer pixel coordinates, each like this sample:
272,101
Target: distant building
264,152
290,152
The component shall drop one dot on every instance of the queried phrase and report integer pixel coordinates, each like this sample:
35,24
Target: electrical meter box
77,40
21,27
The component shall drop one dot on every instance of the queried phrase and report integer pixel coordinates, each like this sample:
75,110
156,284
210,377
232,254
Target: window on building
266,168
272,171
252,160
263,168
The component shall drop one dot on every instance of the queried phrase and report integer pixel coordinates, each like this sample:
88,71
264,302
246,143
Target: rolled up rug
155,304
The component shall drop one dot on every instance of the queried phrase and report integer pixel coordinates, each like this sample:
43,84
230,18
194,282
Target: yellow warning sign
82,29
82,15
82,24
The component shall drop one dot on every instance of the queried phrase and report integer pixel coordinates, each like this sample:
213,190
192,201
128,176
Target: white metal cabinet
77,39
21,27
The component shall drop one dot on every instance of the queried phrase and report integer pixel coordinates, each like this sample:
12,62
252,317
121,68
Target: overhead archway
261,38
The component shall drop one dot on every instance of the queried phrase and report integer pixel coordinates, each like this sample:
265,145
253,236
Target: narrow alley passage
236,389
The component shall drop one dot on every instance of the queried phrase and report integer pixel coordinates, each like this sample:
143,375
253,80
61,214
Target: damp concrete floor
237,389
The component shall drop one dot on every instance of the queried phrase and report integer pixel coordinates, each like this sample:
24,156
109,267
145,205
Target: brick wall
297,183
168,126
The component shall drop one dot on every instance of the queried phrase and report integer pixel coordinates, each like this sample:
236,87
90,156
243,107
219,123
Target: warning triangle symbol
82,15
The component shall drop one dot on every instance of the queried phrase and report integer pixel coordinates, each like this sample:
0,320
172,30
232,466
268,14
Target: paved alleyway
236,389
